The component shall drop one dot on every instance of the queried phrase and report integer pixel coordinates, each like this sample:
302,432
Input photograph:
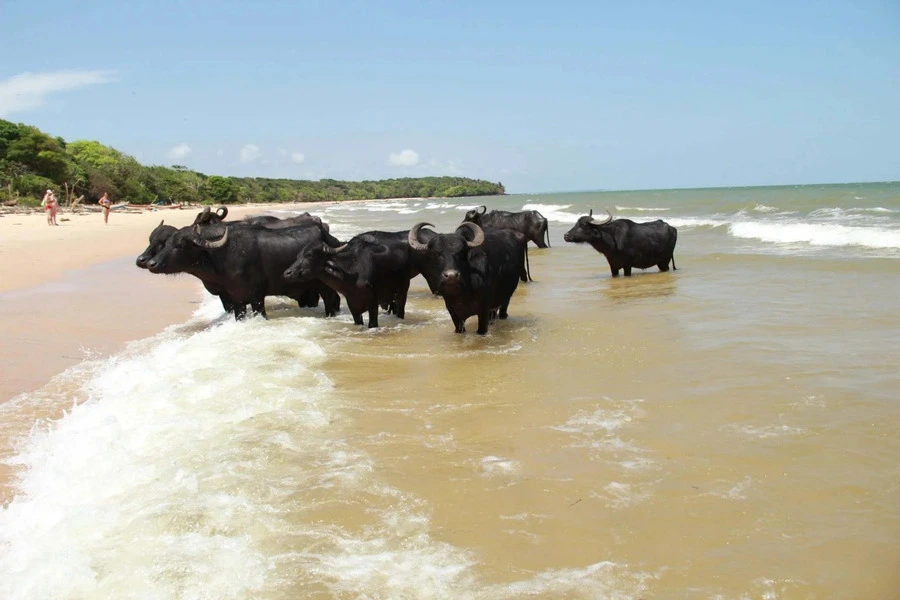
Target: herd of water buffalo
476,269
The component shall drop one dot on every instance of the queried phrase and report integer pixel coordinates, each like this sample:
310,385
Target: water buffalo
157,241
476,276
372,268
244,264
529,223
627,244
207,217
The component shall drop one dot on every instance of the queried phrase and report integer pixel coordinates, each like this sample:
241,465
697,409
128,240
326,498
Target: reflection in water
643,286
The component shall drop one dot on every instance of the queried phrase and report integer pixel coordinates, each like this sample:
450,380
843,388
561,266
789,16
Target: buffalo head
474,215
310,262
158,239
585,228
448,259
184,248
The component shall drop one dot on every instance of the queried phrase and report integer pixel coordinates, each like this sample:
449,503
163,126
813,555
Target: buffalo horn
477,231
483,209
413,238
596,222
329,250
209,244
222,212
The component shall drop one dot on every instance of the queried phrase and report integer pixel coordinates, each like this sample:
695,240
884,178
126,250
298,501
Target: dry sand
73,291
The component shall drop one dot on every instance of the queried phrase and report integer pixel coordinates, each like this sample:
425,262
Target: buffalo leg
373,312
259,308
227,305
663,266
240,311
459,325
309,299
331,299
400,301
503,308
484,318
357,316
627,269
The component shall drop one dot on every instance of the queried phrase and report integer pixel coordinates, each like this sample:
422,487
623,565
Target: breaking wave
554,212
817,234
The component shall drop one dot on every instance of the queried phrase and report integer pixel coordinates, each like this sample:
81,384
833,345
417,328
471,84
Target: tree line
32,161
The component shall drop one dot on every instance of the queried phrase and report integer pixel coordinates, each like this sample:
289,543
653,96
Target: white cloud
28,91
404,158
249,153
297,157
178,152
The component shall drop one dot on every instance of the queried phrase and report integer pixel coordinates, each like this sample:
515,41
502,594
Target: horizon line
708,187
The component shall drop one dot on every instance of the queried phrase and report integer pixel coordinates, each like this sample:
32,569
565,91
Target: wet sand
72,292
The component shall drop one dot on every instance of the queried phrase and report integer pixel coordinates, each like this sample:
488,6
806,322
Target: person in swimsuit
51,206
105,204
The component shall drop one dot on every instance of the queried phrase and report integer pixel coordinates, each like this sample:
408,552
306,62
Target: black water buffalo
158,238
372,268
244,264
627,244
207,217
157,241
475,270
529,223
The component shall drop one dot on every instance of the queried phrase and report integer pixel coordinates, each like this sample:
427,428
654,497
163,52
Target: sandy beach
72,291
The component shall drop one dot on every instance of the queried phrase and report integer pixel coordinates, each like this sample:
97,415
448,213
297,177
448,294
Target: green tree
221,190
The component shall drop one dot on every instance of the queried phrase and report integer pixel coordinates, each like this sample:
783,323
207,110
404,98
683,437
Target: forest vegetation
32,161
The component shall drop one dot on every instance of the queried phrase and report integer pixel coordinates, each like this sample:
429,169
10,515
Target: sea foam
817,234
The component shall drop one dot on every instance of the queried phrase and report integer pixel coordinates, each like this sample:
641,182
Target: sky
542,96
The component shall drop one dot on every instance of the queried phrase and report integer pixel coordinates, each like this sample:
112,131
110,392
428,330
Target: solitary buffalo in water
475,270
530,223
627,244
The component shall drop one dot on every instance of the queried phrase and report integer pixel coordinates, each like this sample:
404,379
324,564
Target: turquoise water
726,430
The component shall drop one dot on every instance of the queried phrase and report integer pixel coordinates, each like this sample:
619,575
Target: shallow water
726,430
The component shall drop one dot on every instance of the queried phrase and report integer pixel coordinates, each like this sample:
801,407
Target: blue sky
543,96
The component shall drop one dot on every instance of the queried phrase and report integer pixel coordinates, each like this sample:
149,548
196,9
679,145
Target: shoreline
73,291
33,253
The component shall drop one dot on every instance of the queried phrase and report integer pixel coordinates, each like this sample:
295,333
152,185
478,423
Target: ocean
727,430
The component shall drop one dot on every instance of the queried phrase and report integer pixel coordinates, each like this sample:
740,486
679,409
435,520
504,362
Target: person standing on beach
105,204
51,206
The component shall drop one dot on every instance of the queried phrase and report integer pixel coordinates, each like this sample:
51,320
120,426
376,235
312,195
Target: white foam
495,465
763,431
621,495
817,234
691,222
554,212
144,488
730,490
639,209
